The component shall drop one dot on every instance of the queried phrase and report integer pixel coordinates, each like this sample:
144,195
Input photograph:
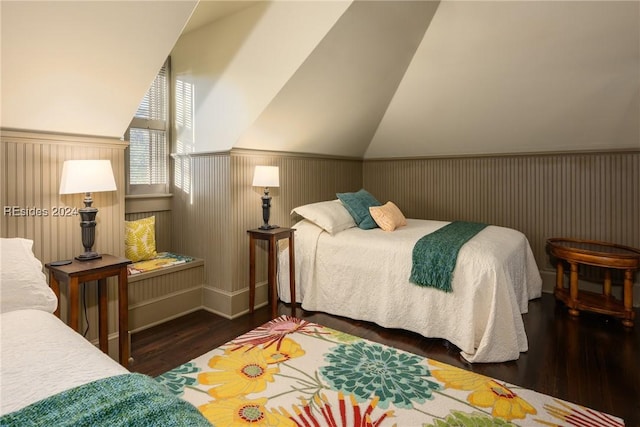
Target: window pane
147,157
154,103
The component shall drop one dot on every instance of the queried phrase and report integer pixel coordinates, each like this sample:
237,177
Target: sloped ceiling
511,76
382,79
82,67
228,72
334,77
334,101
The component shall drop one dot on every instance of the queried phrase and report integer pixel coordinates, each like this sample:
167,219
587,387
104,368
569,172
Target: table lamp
266,176
87,176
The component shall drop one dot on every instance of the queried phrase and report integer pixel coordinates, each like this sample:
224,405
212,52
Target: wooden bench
164,294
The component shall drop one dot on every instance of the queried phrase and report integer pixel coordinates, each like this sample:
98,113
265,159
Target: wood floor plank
591,360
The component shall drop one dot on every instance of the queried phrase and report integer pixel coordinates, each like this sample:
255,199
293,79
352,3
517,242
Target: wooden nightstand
272,235
99,269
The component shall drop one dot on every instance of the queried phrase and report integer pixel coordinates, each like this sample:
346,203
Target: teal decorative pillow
358,205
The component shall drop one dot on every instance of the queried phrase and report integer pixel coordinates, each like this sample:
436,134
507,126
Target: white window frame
152,125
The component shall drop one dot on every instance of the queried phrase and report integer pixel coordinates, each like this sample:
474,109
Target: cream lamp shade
87,176
266,176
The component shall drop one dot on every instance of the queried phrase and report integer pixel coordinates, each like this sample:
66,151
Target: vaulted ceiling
82,67
363,79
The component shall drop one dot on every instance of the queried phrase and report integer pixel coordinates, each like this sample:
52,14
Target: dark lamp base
88,256
268,227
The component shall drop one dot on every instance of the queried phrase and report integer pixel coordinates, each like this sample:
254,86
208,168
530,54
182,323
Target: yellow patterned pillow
388,217
140,239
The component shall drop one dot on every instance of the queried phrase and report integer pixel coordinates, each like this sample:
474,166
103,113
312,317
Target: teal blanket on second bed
435,255
122,400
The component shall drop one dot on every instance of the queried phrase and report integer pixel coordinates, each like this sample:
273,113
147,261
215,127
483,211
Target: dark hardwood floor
591,360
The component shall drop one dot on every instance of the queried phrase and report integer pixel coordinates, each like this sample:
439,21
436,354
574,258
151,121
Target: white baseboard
231,305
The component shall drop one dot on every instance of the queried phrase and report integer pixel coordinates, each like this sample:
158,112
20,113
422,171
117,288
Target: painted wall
82,67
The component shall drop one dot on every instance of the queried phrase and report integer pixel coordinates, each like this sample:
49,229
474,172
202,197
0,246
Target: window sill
147,203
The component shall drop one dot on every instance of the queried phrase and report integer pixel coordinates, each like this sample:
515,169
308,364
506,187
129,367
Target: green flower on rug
365,370
175,380
475,419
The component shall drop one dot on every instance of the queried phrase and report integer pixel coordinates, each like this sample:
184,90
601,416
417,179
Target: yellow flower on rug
238,373
239,411
485,392
505,403
288,349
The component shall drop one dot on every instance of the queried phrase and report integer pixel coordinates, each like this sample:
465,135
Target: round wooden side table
599,254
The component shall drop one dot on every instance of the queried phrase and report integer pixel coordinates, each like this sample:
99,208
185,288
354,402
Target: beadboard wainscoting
581,195
31,169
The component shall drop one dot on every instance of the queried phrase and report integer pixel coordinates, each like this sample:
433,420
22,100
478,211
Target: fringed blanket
122,400
435,255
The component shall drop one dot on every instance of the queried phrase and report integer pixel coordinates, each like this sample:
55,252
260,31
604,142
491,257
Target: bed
364,274
51,375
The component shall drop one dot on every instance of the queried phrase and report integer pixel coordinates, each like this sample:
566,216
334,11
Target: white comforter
41,356
364,274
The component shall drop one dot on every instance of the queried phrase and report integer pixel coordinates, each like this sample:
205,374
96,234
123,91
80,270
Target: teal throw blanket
435,255
122,400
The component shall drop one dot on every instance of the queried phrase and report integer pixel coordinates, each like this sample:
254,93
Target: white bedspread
41,356
364,274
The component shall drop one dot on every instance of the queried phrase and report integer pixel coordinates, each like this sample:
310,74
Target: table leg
55,287
292,274
573,289
559,275
252,273
628,299
102,315
123,317
73,303
606,290
273,292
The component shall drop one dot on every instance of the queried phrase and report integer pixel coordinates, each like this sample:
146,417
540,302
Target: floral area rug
290,372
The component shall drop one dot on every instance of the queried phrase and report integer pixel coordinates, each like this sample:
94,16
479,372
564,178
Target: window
148,135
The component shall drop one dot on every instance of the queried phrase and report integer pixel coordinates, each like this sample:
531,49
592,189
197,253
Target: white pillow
22,282
331,216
